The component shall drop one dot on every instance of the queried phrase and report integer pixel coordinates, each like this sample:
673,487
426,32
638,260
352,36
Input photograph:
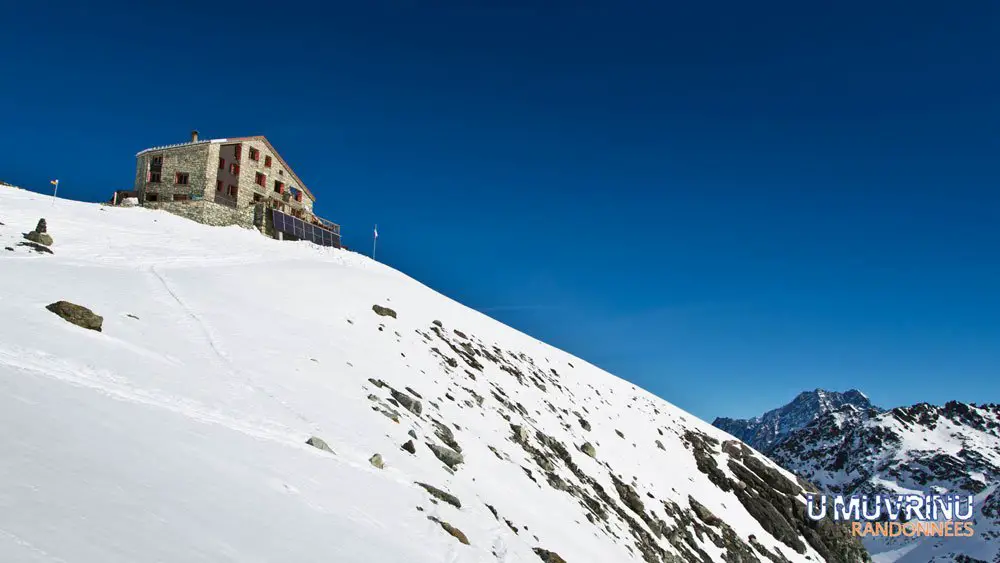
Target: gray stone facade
209,213
220,181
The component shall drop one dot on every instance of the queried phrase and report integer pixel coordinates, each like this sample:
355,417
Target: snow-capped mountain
247,399
923,448
764,431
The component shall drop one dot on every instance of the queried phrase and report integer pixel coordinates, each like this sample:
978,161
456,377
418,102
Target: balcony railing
329,225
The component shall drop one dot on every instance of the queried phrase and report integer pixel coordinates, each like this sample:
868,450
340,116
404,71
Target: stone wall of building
189,159
208,212
249,168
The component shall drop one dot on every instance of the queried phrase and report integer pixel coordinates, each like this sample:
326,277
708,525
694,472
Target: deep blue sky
724,202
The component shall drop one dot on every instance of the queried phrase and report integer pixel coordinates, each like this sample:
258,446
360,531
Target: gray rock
412,434
441,495
521,434
584,424
39,248
588,449
408,446
659,444
41,238
376,460
383,311
548,556
408,402
447,436
318,443
77,314
42,226
448,456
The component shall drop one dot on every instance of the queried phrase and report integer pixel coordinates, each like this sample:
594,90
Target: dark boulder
77,314
383,311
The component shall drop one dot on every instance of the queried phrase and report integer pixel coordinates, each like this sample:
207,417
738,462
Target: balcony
328,225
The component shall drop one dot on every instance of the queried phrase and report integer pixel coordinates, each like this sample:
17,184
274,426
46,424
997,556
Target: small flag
54,182
376,231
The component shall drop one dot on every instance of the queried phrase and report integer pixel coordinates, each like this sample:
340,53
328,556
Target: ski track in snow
222,356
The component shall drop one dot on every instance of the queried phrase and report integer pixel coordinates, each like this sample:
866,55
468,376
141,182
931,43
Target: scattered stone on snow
77,314
376,460
408,446
588,449
40,235
383,311
455,532
548,556
318,443
407,402
448,456
441,495
39,248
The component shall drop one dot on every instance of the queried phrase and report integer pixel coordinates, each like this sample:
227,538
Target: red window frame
260,180
233,190
234,169
184,175
238,150
279,186
222,163
254,154
267,161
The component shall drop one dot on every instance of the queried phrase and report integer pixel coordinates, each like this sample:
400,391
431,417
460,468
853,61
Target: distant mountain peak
765,431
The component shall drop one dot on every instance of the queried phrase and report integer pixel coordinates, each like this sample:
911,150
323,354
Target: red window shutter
239,150
222,163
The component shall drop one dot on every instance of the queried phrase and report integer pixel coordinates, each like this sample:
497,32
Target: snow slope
178,432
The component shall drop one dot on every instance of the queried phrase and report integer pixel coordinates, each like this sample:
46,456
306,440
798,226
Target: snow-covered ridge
765,431
953,448
178,432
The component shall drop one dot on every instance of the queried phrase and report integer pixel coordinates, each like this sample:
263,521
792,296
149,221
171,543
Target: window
254,154
154,177
298,196
267,161
218,185
239,151
260,179
152,197
222,163
257,198
157,161
181,179
233,190
234,169
181,197
279,187
281,172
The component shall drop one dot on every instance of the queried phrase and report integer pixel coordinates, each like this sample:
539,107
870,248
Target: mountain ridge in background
763,431
857,448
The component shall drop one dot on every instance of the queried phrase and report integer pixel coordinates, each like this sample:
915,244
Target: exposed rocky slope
253,400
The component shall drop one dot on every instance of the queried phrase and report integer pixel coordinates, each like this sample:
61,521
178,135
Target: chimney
194,136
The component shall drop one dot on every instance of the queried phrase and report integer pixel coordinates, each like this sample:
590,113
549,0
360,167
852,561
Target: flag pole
374,241
55,191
